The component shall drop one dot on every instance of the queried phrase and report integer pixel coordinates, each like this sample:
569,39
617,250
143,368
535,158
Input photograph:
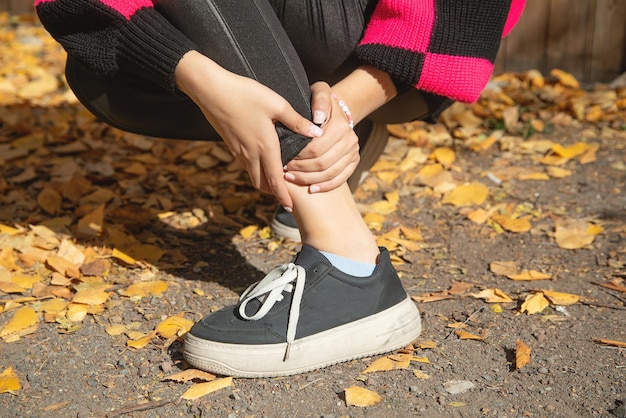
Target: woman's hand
329,160
243,112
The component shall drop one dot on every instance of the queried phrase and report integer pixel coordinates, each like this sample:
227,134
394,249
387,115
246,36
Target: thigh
323,32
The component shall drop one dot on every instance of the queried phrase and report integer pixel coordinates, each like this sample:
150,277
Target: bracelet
345,109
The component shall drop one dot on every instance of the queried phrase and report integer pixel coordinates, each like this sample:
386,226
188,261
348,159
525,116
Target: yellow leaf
53,306
143,289
388,176
464,335
530,275
565,78
358,396
559,298
613,343
421,359
374,220
512,224
420,374
116,329
9,230
478,216
9,381
496,308
558,172
76,313
174,326
201,389
141,342
383,364
191,374
383,207
503,268
96,295
534,304
522,354
146,252
24,321
533,176
122,256
248,231
393,197
575,233
467,194
413,234
427,345
430,170
444,156
571,151
493,296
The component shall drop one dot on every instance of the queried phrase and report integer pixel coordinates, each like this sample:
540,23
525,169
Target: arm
110,36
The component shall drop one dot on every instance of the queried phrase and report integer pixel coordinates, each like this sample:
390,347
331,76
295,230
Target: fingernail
314,189
315,130
290,176
319,117
285,167
287,209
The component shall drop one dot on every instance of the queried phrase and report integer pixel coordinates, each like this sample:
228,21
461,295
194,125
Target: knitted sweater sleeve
109,36
445,47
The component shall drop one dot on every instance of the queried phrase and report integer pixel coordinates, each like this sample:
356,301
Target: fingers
321,104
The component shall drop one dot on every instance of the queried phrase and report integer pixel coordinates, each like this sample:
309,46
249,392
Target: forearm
365,90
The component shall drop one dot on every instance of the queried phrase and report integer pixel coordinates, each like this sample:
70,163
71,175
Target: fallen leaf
467,194
444,156
565,78
522,354
142,341
9,381
511,224
575,233
534,304
424,345
613,343
420,374
464,335
23,322
116,329
530,275
201,389
90,225
248,231
358,396
191,374
503,268
562,299
96,295
143,289
493,296
174,326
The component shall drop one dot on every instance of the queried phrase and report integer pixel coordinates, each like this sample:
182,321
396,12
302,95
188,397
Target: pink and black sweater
445,47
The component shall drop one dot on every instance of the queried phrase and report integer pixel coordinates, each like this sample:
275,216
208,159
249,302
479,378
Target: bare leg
331,222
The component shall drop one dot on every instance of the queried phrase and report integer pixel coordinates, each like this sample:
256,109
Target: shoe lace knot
269,290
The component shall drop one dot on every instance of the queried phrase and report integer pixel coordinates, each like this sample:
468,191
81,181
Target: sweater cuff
151,47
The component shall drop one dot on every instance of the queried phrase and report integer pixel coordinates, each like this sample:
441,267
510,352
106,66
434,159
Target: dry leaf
116,329
558,298
575,233
444,156
383,364
493,296
530,275
358,396
504,268
522,354
90,225
142,341
174,326
565,78
201,389
191,374
9,381
427,345
248,231
534,304
467,194
613,343
23,322
93,295
143,289
464,335
420,374
511,224
50,200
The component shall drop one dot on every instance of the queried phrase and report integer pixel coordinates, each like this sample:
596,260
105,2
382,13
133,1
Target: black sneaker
373,138
304,316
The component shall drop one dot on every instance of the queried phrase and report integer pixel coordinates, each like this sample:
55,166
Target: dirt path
529,183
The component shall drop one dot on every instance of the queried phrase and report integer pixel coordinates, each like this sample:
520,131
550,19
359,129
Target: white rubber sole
285,231
384,332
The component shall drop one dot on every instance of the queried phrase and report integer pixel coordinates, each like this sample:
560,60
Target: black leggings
281,44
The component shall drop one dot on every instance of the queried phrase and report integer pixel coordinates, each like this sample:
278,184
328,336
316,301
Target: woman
239,71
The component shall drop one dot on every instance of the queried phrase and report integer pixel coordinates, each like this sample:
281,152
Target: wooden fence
584,37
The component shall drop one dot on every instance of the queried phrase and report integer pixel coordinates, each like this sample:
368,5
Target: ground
526,184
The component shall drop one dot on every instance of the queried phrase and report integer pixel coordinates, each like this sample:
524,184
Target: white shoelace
269,291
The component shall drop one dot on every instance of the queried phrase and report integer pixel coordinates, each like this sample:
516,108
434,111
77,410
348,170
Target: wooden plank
567,46
608,40
524,48
17,7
